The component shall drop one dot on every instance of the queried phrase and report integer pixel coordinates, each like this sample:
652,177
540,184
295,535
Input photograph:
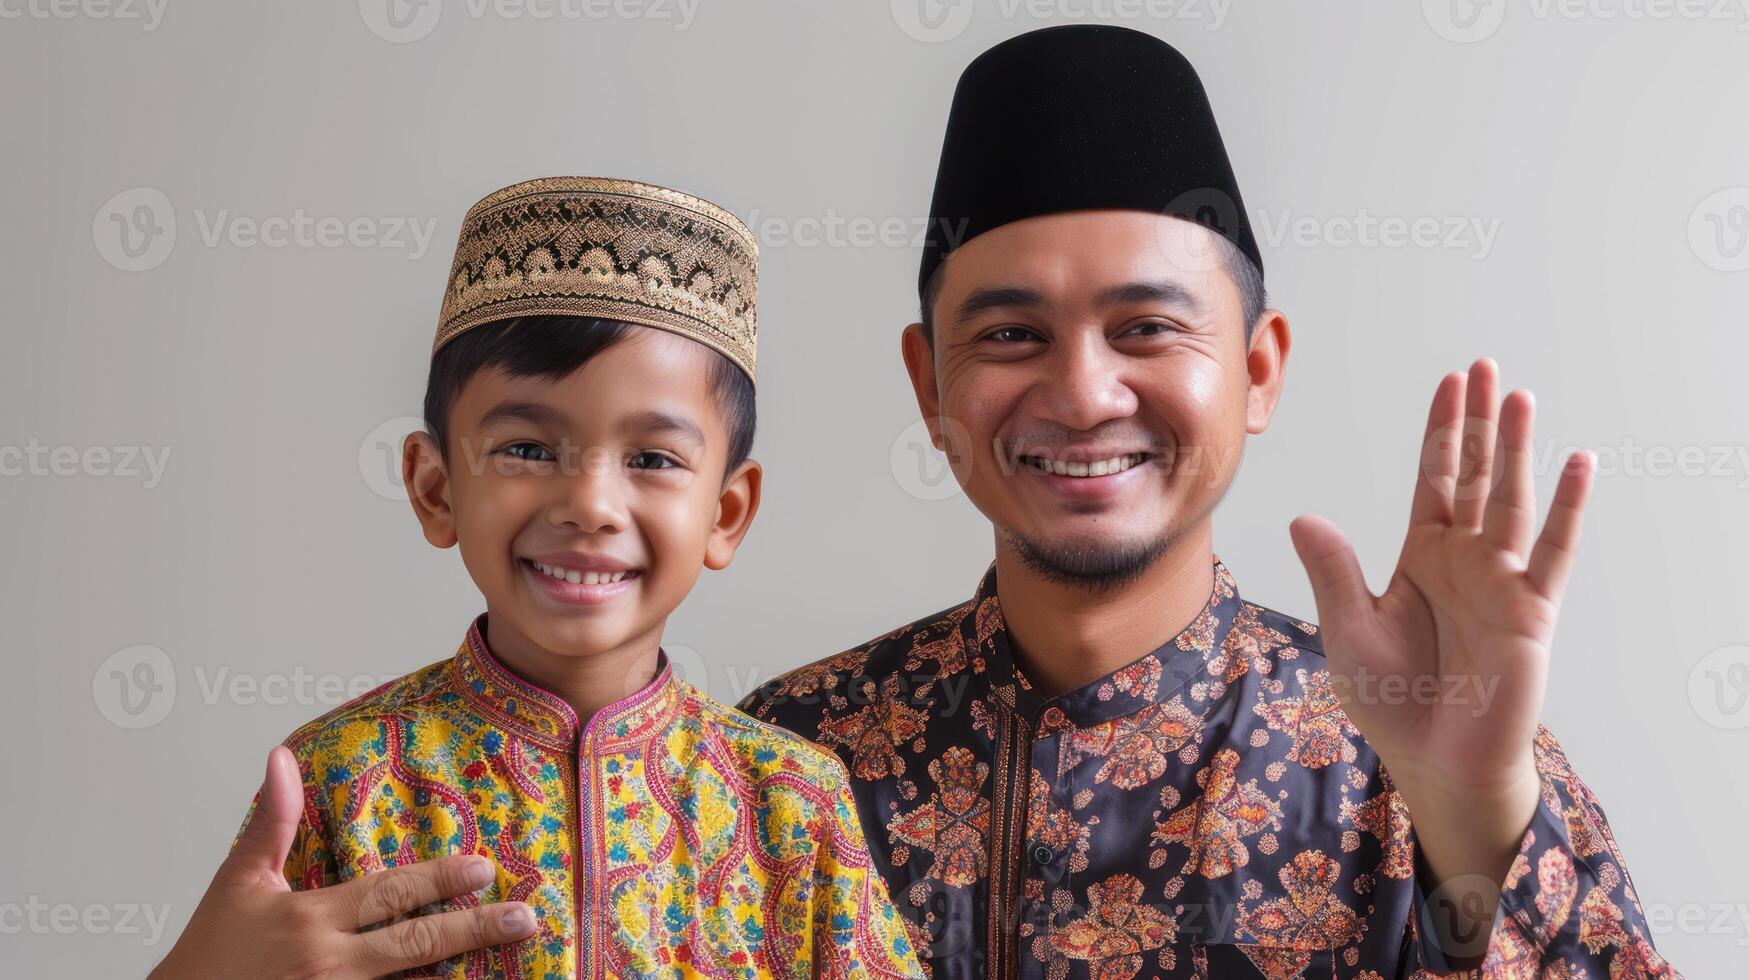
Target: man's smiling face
1091,377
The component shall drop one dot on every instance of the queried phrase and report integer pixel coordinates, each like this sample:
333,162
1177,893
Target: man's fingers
1476,452
267,839
429,938
1510,519
1438,470
1551,560
1338,585
386,894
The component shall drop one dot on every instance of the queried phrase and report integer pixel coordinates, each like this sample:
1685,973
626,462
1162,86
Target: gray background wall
1595,156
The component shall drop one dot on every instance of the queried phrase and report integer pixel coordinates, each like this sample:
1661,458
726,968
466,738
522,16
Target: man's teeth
1100,467
575,577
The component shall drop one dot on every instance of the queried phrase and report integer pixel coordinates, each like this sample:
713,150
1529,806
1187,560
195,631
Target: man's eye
529,450
1151,328
1012,335
652,461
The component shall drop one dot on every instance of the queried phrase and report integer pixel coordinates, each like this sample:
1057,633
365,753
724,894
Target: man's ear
919,357
428,488
735,509
1266,365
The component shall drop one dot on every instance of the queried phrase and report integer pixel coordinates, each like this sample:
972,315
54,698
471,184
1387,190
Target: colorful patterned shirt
1206,811
670,836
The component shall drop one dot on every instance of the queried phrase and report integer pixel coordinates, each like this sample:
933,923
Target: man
1108,763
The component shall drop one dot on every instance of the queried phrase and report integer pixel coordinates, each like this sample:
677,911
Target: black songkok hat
1075,118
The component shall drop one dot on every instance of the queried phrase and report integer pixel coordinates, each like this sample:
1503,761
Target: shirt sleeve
1567,907
857,931
310,862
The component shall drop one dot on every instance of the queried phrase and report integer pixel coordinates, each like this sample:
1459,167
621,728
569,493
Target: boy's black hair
553,347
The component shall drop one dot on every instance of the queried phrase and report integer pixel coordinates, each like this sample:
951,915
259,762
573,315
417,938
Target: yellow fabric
671,836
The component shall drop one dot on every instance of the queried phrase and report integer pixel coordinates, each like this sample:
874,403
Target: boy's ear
427,481
735,510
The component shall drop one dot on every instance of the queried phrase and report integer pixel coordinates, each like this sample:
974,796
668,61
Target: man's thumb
1337,581
273,819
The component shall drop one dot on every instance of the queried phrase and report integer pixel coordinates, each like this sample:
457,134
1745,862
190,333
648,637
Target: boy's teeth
575,577
1102,467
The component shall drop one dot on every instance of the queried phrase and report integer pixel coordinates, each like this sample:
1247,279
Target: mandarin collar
1153,678
526,709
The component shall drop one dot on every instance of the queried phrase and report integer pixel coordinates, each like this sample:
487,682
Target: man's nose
1084,384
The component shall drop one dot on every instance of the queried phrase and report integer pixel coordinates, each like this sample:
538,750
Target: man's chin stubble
1088,568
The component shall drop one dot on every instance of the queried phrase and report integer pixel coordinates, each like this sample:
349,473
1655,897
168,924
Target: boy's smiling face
586,506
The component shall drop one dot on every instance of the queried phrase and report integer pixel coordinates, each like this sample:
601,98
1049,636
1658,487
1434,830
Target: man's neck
1065,637
587,683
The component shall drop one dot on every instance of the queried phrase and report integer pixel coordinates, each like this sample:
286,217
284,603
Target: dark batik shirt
1206,811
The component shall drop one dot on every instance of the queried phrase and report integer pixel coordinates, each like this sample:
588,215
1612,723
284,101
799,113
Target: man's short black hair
555,346
1253,298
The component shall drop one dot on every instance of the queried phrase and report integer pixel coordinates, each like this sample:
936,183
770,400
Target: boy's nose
591,497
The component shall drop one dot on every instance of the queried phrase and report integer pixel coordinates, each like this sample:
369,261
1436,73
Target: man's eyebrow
534,413
998,298
654,421
1153,291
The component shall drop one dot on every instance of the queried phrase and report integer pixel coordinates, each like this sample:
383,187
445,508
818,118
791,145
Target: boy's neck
587,684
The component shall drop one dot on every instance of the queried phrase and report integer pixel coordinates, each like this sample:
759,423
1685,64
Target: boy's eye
1012,335
529,450
652,461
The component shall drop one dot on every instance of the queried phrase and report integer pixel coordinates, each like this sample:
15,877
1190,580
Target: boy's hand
251,924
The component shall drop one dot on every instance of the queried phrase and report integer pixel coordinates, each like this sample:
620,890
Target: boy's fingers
265,842
429,938
386,894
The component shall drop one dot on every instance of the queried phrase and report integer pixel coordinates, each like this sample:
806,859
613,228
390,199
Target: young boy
590,408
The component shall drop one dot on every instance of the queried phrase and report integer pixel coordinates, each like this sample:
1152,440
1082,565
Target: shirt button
1042,854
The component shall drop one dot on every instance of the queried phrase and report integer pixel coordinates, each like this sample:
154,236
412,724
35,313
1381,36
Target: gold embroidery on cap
604,247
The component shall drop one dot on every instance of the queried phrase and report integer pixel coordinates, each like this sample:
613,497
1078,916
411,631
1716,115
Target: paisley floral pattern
668,837
1208,810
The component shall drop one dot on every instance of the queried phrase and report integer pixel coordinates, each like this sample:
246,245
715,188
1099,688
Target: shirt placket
1043,862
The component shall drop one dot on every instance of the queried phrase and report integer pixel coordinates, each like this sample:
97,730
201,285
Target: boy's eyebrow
519,411
654,421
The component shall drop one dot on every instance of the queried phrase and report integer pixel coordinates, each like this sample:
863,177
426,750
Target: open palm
1445,672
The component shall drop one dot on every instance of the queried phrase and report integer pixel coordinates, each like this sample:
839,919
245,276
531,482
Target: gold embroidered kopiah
604,247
